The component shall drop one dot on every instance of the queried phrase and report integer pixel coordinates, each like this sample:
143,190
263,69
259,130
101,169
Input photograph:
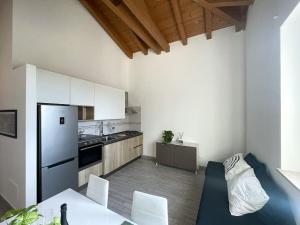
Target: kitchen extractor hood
128,109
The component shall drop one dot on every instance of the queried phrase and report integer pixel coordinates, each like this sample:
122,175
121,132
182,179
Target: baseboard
8,203
152,158
116,170
148,157
202,168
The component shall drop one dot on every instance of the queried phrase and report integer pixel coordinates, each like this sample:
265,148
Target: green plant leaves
25,216
167,136
11,213
55,221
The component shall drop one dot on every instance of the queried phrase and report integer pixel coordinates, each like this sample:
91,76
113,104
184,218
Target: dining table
80,211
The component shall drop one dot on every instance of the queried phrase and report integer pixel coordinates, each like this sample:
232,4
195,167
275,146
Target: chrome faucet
80,132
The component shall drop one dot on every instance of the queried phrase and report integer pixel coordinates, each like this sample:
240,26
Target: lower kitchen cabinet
113,156
83,176
138,151
117,154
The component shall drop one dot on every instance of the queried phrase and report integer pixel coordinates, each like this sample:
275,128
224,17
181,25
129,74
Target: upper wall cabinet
109,103
82,92
52,87
56,88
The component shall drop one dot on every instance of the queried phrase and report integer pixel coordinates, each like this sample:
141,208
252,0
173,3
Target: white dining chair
97,190
149,209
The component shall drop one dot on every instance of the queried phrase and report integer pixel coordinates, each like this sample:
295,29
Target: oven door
89,155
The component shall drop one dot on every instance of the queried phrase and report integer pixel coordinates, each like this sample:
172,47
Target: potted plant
25,216
167,136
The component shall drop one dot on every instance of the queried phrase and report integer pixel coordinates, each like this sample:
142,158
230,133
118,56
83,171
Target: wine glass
47,216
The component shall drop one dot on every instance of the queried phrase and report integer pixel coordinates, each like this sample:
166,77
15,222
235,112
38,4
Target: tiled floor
182,189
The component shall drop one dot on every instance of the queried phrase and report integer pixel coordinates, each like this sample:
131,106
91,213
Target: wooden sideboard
183,156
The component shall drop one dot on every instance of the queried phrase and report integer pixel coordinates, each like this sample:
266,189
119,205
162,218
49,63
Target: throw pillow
245,194
235,165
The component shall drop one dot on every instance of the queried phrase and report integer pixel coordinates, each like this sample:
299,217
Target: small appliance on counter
57,149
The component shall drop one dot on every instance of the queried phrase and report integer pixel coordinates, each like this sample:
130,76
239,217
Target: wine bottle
63,214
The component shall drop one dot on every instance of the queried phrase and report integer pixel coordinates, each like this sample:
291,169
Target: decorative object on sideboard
180,138
167,136
8,123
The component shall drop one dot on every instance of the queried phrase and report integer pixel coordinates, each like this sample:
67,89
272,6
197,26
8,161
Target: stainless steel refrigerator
57,149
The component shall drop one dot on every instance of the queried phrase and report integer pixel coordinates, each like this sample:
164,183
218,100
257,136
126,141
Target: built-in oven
89,154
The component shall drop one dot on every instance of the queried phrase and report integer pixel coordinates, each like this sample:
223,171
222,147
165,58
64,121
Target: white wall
290,92
63,37
11,180
263,127
31,134
197,89
18,156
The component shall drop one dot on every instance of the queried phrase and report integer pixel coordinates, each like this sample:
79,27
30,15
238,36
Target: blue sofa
214,206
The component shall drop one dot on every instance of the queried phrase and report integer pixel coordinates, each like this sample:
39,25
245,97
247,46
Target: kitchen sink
121,135
108,138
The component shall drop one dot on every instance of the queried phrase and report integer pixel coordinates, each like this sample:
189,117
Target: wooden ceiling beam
140,10
226,3
116,2
179,21
207,16
219,12
124,14
143,48
104,22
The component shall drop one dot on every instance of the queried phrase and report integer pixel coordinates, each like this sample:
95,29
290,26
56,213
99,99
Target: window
290,97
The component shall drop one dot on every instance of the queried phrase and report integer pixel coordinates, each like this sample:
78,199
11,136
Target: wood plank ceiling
143,25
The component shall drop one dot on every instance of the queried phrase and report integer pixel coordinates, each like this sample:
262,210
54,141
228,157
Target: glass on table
47,216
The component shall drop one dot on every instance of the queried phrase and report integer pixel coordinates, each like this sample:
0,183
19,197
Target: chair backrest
97,190
149,209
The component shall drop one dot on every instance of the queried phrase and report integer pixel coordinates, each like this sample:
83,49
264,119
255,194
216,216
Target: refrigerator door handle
60,163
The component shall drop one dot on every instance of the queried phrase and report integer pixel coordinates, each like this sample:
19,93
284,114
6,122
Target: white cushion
245,194
235,165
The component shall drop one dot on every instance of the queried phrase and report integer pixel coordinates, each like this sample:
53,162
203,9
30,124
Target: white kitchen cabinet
109,103
82,92
52,87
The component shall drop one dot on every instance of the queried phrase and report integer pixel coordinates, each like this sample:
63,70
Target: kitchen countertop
121,136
